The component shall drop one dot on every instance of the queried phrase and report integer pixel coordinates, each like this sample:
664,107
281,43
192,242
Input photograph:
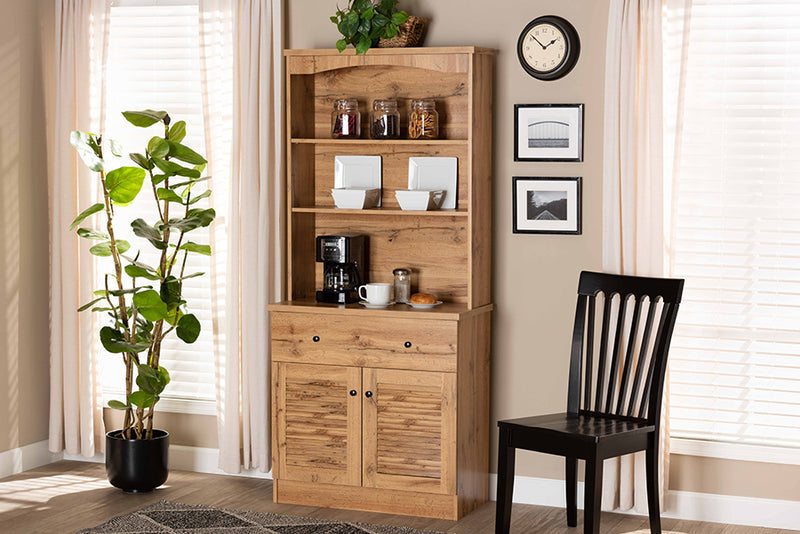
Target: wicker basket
410,34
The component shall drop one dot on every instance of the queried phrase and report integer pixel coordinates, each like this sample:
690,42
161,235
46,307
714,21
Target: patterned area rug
166,517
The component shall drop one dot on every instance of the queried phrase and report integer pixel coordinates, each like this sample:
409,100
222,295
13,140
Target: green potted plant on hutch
144,303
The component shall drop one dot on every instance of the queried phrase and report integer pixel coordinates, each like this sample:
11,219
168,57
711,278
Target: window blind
735,358
153,62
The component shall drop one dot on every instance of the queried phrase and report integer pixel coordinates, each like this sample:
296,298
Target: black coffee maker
344,259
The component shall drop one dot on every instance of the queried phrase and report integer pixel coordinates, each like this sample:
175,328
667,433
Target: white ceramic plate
372,306
435,173
362,172
424,306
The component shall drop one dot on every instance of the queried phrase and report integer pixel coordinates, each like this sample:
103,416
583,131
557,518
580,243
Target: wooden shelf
378,212
445,311
378,142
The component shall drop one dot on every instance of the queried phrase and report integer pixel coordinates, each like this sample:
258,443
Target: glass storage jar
423,121
384,120
346,119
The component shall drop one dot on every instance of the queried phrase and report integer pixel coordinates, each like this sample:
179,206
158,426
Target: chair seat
583,427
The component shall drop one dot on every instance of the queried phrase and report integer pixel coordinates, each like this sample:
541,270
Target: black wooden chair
614,398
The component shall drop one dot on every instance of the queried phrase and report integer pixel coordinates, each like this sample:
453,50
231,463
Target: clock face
544,48
548,47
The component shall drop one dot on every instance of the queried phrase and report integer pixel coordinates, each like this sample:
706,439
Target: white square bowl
357,198
419,200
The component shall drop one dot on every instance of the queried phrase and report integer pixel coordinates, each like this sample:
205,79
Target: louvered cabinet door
409,430
319,423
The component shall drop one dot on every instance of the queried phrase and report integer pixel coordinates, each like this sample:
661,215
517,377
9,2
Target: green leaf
198,198
184,153
118,292
86,146
91,234
144,384
150,305
195,218
158,178
188,328
124,184
114,341
145,118
363,45
364,27
104,249
334,20
171,291
91,210
351,22
399,18
113,146
193,275
171,169
368,13
169,195
117,405
90,304
134,271
379,21
141,160
194,247
190,182
157,147
361,5
144,230
177,132
142,399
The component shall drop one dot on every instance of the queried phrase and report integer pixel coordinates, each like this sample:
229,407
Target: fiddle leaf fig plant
144,302
364,22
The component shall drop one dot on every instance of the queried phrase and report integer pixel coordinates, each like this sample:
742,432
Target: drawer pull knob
407,344
353,393
368,394
315,339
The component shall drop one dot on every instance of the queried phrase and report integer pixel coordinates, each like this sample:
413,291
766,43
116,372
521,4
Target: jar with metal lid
384,120
346,119
423,121
402,285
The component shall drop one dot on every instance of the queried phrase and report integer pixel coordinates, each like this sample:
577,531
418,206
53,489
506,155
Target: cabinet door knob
315,339
368,394
407,344
353,393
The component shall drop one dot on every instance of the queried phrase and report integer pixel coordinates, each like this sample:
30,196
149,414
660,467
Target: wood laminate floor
67,496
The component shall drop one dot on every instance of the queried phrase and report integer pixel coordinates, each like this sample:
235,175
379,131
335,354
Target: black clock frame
572,44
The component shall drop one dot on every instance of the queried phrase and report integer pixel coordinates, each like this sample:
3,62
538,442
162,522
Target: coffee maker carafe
344,260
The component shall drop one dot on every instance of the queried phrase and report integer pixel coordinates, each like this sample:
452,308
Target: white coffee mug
375,293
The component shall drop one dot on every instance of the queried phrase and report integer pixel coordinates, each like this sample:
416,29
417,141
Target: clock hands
540,44
548,44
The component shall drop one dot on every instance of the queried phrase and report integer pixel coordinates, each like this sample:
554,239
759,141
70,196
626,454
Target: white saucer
424,306
372,306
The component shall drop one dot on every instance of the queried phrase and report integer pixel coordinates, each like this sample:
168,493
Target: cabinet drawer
388,343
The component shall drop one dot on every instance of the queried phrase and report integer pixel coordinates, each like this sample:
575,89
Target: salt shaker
402,285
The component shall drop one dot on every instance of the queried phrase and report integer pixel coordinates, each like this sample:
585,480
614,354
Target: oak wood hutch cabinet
386,410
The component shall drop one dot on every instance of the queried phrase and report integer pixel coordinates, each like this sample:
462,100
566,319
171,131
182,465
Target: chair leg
652,485
572,491
593,496
506,456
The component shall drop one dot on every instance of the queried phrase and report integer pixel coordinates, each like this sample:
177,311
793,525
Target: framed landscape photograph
547,205
548,132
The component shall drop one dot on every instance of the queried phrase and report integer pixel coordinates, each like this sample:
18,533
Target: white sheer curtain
76,423
248,35
633,191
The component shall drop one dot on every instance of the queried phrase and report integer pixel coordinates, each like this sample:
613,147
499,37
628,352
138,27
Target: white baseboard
27,457
184,458
750,511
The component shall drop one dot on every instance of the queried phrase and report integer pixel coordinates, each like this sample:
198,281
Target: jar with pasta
423,121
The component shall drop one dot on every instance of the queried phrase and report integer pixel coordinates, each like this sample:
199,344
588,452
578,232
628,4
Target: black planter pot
137,465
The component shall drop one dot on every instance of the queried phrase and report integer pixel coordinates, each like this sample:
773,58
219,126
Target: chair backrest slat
633,376
587,390
626,366
613,369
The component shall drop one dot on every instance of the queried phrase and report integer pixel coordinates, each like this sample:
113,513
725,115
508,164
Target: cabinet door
319,423
409,430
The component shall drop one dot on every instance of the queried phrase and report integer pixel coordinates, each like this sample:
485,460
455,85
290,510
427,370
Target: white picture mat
357,172
523,223
435,173
570,115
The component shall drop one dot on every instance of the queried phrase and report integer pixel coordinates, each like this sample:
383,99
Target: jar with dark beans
346,119
385,120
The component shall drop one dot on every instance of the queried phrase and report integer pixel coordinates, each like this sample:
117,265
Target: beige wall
24,382
535,276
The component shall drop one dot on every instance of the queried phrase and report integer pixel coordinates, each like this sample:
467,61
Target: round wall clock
548,47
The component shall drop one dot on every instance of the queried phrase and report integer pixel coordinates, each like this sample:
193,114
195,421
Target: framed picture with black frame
547,205
548,132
